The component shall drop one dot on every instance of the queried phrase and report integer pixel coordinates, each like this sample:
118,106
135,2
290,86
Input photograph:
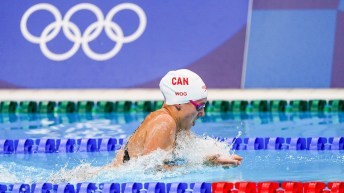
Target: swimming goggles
198,106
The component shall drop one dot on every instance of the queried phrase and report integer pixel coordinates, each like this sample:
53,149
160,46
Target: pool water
258,165
121,125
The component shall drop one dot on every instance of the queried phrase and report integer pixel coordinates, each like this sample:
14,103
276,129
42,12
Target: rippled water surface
259,165
217,125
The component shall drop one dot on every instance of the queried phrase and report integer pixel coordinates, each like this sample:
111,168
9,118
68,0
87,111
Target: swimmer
185,97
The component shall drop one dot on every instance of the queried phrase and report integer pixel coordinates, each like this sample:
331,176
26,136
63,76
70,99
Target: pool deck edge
154,94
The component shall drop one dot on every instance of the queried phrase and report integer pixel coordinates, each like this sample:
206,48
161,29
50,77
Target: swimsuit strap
126,156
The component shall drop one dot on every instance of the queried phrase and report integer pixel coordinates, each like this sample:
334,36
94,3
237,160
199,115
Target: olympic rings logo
73,33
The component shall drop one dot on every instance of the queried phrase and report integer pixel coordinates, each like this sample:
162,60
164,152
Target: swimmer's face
191,114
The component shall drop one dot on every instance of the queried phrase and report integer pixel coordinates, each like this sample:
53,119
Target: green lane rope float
299,106
337,105
46,107
66,107
27,107
239,106
278,106
317,105
85,106
123,106
143,106
157,105
259,106
220,106
215,106
105,107
8,106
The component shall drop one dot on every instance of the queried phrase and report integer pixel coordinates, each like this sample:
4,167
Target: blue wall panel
290,48
177,33
291,44
341,5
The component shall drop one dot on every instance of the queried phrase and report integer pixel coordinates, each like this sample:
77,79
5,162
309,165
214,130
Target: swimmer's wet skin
185,97
218,160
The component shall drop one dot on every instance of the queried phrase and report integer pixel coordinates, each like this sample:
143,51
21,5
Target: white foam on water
231,145
196,149
140,169
80,173
6,175
191,149
190,153
12,172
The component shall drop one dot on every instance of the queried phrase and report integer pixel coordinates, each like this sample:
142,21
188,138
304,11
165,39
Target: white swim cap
180,86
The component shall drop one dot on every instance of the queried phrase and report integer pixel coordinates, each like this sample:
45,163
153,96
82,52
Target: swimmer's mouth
194,122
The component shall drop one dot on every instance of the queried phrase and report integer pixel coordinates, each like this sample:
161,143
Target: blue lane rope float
46,145
180,187
28,146
235,106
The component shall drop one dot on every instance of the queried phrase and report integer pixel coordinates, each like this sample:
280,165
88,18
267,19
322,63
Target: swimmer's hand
230,161
169,165
165,167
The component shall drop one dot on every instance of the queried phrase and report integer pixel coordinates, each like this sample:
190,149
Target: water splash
148,167
195,149
191,151
13,172
232,151
6,176
80,173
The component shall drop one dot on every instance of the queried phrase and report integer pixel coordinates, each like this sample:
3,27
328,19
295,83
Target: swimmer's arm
166,167
233,160
118,160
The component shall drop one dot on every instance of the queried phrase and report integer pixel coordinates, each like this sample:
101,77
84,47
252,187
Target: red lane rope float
276,187
220,187
180,187
268,187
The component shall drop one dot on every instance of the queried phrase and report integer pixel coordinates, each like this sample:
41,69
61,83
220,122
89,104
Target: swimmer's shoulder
162,116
